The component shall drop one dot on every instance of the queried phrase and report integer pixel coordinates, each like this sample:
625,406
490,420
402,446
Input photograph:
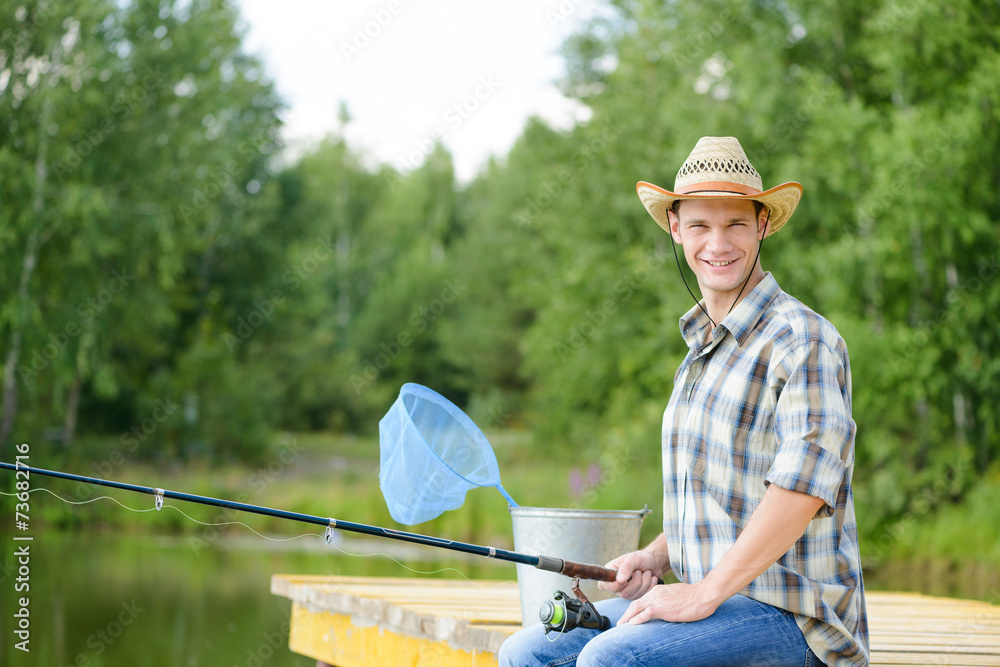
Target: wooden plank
938,639
348,621
933,660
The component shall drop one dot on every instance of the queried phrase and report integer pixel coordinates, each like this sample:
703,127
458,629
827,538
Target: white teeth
721,263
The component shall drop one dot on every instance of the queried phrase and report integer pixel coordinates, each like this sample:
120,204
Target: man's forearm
778,522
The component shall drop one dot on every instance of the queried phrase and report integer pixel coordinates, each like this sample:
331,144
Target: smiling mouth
711,263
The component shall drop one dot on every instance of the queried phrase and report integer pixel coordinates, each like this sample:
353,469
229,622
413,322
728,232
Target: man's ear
675,224
763,220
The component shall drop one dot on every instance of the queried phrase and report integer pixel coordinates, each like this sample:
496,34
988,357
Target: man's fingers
629,613
641,617
631,589
623,574
641,584
636,614
648,581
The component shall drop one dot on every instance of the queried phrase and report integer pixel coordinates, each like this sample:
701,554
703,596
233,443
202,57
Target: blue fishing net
431,453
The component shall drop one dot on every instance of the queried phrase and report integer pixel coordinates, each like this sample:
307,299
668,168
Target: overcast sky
469,73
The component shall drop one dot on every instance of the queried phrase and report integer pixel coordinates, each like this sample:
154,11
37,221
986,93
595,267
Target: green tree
157,135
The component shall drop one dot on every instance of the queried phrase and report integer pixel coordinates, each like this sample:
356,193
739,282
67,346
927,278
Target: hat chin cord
673,244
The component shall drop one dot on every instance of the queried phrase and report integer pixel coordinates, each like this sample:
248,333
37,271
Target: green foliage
151,249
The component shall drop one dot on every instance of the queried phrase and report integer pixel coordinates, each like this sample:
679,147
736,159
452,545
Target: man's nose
718,241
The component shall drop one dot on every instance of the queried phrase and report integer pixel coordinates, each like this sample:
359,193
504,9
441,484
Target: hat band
718,186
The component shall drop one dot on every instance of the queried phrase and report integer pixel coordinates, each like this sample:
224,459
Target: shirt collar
740,322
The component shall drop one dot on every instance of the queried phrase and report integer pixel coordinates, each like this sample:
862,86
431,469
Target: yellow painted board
337,639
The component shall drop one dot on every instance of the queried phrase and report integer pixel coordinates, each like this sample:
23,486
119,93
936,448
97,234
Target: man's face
720,239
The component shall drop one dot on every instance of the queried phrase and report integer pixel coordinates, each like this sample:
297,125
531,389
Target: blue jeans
741,632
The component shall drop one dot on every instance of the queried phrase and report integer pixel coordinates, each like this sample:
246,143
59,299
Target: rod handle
575,570
579,570
585,571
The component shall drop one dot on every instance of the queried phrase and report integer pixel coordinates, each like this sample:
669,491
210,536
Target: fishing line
272,539
76,502
562,631
571,569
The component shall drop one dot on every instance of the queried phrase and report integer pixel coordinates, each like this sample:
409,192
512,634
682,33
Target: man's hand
680,603
779,520
638,572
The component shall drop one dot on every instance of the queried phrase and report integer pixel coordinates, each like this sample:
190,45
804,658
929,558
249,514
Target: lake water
98,600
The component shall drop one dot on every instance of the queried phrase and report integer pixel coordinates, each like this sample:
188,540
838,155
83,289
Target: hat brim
781,201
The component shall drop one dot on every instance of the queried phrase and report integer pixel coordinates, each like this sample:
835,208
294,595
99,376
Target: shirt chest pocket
729,414
742,437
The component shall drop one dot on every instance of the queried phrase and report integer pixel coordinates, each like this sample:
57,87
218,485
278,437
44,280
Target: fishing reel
564,613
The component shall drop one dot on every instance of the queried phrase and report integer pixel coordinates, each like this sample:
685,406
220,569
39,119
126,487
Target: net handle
503,492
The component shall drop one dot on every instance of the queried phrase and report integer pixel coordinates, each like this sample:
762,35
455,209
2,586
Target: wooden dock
365,621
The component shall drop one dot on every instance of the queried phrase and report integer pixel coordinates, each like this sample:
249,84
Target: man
758,456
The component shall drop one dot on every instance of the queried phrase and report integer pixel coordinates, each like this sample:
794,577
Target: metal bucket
584,536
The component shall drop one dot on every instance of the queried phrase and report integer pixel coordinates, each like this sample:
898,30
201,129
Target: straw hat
717,168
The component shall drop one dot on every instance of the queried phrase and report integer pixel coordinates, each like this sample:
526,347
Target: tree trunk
72,407
9,410
8,403
344,288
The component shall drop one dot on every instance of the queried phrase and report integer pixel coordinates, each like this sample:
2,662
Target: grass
959,532
337,476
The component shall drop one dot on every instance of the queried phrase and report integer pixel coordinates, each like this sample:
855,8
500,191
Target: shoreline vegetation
940,551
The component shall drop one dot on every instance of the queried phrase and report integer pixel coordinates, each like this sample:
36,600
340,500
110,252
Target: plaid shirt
763,399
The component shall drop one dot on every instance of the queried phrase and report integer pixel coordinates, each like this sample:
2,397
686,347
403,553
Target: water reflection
102,601
98,600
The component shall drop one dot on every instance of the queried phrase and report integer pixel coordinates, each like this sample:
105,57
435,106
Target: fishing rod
571,569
